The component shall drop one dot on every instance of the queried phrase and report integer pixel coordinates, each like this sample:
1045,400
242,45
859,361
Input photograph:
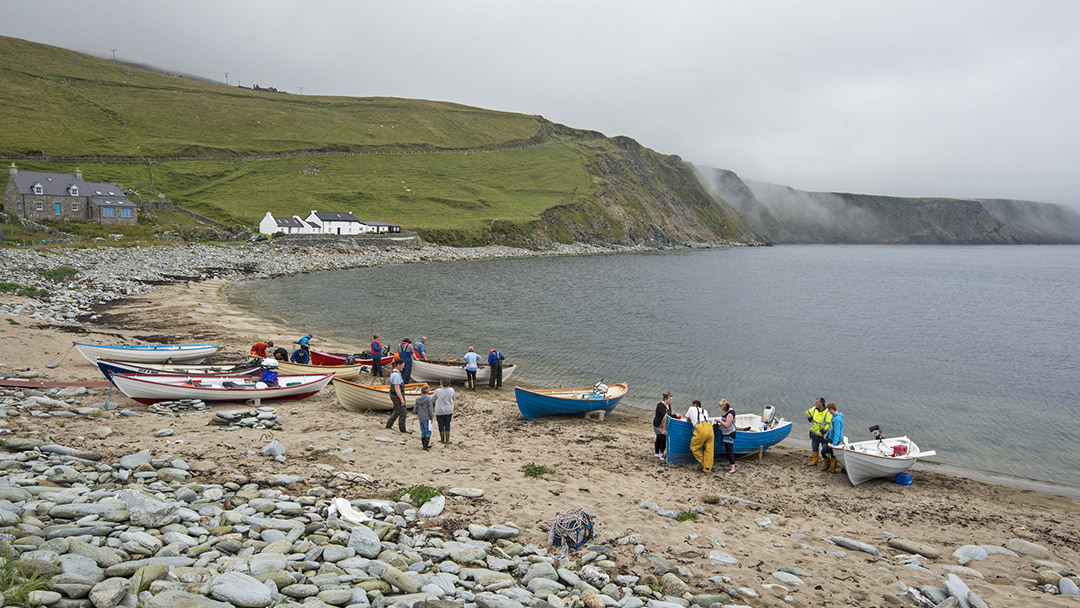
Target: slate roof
288,222
57,184
335,216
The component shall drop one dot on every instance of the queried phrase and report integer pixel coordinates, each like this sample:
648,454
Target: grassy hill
453,173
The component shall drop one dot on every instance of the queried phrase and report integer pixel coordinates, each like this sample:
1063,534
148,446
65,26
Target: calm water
972,351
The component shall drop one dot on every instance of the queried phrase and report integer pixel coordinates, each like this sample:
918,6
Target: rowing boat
539,402
434,370
878,457
152,388
347,372
364,397
752,433
109,367
319,357
147,353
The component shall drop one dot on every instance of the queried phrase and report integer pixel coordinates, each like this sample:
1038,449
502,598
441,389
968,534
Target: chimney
12,170
78,173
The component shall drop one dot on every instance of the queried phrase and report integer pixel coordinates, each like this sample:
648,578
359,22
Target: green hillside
453,173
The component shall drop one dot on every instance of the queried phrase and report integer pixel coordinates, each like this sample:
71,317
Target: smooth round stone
300,591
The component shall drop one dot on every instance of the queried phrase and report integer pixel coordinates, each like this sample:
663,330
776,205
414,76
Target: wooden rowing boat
319,357
346,372
365,397
152,388
752,433
539,402
109,368
434,370
147,353
879,457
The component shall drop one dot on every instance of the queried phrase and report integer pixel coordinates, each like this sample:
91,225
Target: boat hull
749,437
357,397
152,388
148,353
873,459
433,370
346,372
319,357
109,368
537,403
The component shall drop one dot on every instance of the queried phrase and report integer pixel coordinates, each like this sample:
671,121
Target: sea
972,351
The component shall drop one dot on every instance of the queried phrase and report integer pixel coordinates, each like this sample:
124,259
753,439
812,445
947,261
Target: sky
951,98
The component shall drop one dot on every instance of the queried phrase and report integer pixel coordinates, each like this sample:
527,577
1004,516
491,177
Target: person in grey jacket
444,408
425,412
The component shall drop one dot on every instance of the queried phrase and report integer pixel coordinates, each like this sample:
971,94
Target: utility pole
113,54
301,90
226,79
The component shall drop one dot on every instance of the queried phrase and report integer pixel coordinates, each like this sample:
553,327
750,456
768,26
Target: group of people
702,443
826,431
267,350
406,352
437,405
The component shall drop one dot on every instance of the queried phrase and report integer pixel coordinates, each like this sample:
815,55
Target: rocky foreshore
109,273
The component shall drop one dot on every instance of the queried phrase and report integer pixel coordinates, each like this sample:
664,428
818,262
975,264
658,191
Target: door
57,208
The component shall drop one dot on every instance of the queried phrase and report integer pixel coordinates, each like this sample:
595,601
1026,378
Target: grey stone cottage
63,196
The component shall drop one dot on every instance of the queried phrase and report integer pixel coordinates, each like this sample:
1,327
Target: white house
333,222
380,227
288,225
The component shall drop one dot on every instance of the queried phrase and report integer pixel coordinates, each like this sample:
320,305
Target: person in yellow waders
819,419
701,444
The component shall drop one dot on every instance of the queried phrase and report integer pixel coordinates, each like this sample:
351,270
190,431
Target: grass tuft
16,585
535,470
418,494
686,516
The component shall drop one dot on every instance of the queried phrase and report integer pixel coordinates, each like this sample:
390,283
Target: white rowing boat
878,457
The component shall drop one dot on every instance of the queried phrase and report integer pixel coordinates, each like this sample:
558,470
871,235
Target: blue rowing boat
540,402
752,433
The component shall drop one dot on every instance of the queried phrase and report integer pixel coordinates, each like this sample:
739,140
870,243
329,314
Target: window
39,206
125,212
74,206
73,191
39,189
108,212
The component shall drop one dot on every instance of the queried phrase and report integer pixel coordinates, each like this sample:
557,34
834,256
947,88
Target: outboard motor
876,432
600,388
769,415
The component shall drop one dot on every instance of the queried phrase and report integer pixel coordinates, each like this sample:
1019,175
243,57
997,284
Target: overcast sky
968,99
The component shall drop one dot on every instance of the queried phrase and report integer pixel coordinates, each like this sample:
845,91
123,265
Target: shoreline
770,519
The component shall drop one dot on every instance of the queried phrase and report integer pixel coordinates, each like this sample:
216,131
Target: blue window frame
125,212
108,212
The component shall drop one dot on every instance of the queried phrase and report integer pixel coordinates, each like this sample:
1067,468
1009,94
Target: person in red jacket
259,349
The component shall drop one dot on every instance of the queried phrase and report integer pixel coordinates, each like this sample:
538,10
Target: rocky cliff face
786,215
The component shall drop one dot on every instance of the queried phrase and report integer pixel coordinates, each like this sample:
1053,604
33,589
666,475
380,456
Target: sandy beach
767,516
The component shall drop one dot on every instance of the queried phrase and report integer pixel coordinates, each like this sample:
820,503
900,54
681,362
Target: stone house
61,196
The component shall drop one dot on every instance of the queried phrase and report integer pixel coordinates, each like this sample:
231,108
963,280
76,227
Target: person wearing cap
269,373
495,359
472,363
405,352
397,397
420,350
259,349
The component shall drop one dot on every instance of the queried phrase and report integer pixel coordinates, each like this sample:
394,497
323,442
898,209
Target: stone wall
386,239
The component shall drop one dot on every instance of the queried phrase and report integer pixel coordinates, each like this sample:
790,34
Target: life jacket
820,420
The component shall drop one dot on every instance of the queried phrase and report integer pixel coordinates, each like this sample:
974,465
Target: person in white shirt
701,444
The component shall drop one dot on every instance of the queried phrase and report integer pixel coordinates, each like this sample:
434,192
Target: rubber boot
825,463
447,441
832,465
426,442
814,461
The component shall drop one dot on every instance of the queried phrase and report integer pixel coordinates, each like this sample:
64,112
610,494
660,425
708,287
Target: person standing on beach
495,359
420,350
397,397
818,417
727,432
405,352
425,414
472,363
834,437
659,425
444,408
701,444
376,356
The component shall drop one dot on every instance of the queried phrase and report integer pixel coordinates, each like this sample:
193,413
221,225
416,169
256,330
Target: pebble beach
305,504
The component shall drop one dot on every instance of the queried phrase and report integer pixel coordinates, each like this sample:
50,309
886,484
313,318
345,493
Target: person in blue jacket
301,355
834,437
495,359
